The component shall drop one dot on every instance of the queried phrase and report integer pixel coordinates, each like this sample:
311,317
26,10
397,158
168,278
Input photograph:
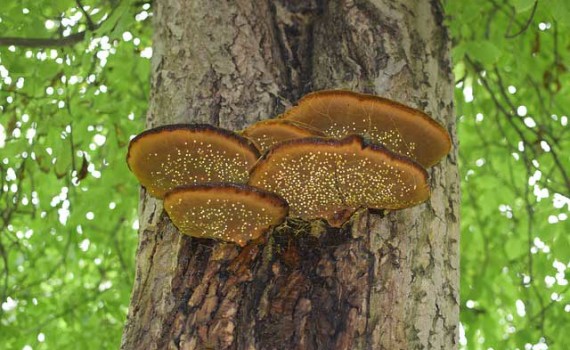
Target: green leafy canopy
67,203
510,63
75,90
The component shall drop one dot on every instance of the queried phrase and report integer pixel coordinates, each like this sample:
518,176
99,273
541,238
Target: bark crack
371,274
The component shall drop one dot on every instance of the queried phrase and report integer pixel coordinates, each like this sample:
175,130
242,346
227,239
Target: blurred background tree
513,102
74,88
72,93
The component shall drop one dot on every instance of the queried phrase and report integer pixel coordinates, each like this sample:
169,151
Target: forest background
74,85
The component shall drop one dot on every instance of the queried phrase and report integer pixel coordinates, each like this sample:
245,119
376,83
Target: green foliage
67,202
512,106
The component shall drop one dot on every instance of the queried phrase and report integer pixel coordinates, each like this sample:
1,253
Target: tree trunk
385,281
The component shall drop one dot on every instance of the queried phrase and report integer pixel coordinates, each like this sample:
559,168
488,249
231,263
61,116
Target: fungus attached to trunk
174,155
267,133
401,129
330,179
229,212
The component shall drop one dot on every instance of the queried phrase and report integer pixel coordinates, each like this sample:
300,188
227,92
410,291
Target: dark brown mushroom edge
228,212
330,179
183,154
402,129
267,133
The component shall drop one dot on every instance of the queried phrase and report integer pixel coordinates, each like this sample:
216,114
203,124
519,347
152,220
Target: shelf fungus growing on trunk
228,212
330,178
267,133
183,154
402,129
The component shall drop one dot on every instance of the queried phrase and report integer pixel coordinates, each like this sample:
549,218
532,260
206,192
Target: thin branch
6,273
526,25
54,42
90,23
44,42
509,117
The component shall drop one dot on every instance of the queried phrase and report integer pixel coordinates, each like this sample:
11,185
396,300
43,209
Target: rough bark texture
382,282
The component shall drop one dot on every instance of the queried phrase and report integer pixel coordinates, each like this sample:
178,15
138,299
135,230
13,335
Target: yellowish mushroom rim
194,128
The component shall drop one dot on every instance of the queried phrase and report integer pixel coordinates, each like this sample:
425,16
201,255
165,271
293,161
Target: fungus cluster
200,171
333,153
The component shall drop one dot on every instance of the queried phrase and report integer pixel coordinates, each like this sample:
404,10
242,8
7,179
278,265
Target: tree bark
385,281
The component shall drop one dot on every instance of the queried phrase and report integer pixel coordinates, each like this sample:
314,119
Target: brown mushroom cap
401,129
174,155
229,212
267,133
330,179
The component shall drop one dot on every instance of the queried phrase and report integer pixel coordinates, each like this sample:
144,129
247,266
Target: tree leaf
484,51
560,11
523,5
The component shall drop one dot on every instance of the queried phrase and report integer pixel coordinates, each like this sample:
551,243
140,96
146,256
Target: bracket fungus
267,133
330,178
229,212
183,154
402,129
